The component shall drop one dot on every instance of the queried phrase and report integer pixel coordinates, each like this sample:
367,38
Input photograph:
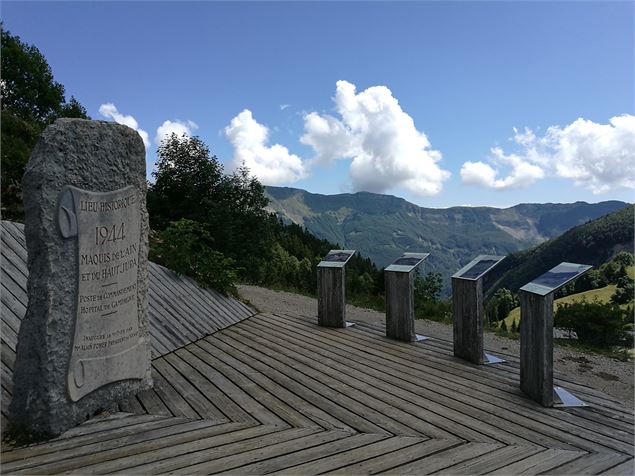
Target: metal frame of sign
336,264
480,258
406,268
574,269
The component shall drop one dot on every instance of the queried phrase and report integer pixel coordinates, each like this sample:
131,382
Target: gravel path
611,376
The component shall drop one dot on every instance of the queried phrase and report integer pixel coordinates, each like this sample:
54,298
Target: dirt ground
614,377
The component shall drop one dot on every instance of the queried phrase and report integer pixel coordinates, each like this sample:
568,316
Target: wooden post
536,346
400,310
467,305
331,296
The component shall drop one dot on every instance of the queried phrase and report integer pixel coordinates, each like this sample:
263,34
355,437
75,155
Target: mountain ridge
384,226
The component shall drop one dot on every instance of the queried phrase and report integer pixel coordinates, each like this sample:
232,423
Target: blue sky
415,99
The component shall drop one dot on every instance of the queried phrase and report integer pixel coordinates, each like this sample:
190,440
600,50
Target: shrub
595,323
185,247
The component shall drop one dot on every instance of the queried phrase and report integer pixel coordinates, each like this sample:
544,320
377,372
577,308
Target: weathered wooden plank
179,445
15,242
206,451
536,347
87,457
331,296
311,453
499,377
277,397
235,462
78,456
400,306
387,417
198,317
348,457
9,317
201,376
132,405
454,388
467,308
13,263
177,405
627,468
429,419
494,460
591,463
379,461
96,433
441,460
194,396
540,462
208,366
152,403
316,395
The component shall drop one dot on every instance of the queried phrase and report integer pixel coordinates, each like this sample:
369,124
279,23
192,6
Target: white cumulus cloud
109,110
387,149
273,165
179,128
599,157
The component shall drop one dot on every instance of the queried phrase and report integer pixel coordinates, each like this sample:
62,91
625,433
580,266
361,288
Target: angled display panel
407,262
555,278
336,259
478,267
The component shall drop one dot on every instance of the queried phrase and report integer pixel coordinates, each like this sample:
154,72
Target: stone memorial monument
84,343
536,336
467,310
331,277
400,308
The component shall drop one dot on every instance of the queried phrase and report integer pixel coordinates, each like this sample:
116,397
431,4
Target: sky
441,103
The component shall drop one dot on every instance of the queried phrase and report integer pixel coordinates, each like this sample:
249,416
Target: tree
185,247
625,291
505,302
190,183
31,99
429,287
595,323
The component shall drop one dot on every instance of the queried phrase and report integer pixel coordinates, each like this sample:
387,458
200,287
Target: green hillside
383,226
600,294
592,243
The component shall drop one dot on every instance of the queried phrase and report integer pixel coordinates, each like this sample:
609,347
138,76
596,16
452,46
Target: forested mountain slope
383,226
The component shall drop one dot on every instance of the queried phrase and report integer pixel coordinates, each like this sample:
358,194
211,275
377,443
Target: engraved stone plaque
83,345
106,345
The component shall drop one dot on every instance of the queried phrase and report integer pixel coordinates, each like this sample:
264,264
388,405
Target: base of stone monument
562,398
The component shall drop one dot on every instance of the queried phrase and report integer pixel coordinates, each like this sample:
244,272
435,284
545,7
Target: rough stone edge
40,402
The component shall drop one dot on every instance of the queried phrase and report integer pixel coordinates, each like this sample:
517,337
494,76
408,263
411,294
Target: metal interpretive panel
555,278
407,262
478,267
336,259
106,344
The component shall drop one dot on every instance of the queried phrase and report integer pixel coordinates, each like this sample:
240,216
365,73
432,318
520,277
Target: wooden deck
277,393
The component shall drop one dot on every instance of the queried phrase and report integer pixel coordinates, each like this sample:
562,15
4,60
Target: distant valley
382,226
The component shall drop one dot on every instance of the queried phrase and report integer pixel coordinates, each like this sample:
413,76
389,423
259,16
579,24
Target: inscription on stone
106,344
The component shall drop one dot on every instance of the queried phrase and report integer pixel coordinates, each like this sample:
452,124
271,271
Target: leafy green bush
595,323
185,247
625,292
